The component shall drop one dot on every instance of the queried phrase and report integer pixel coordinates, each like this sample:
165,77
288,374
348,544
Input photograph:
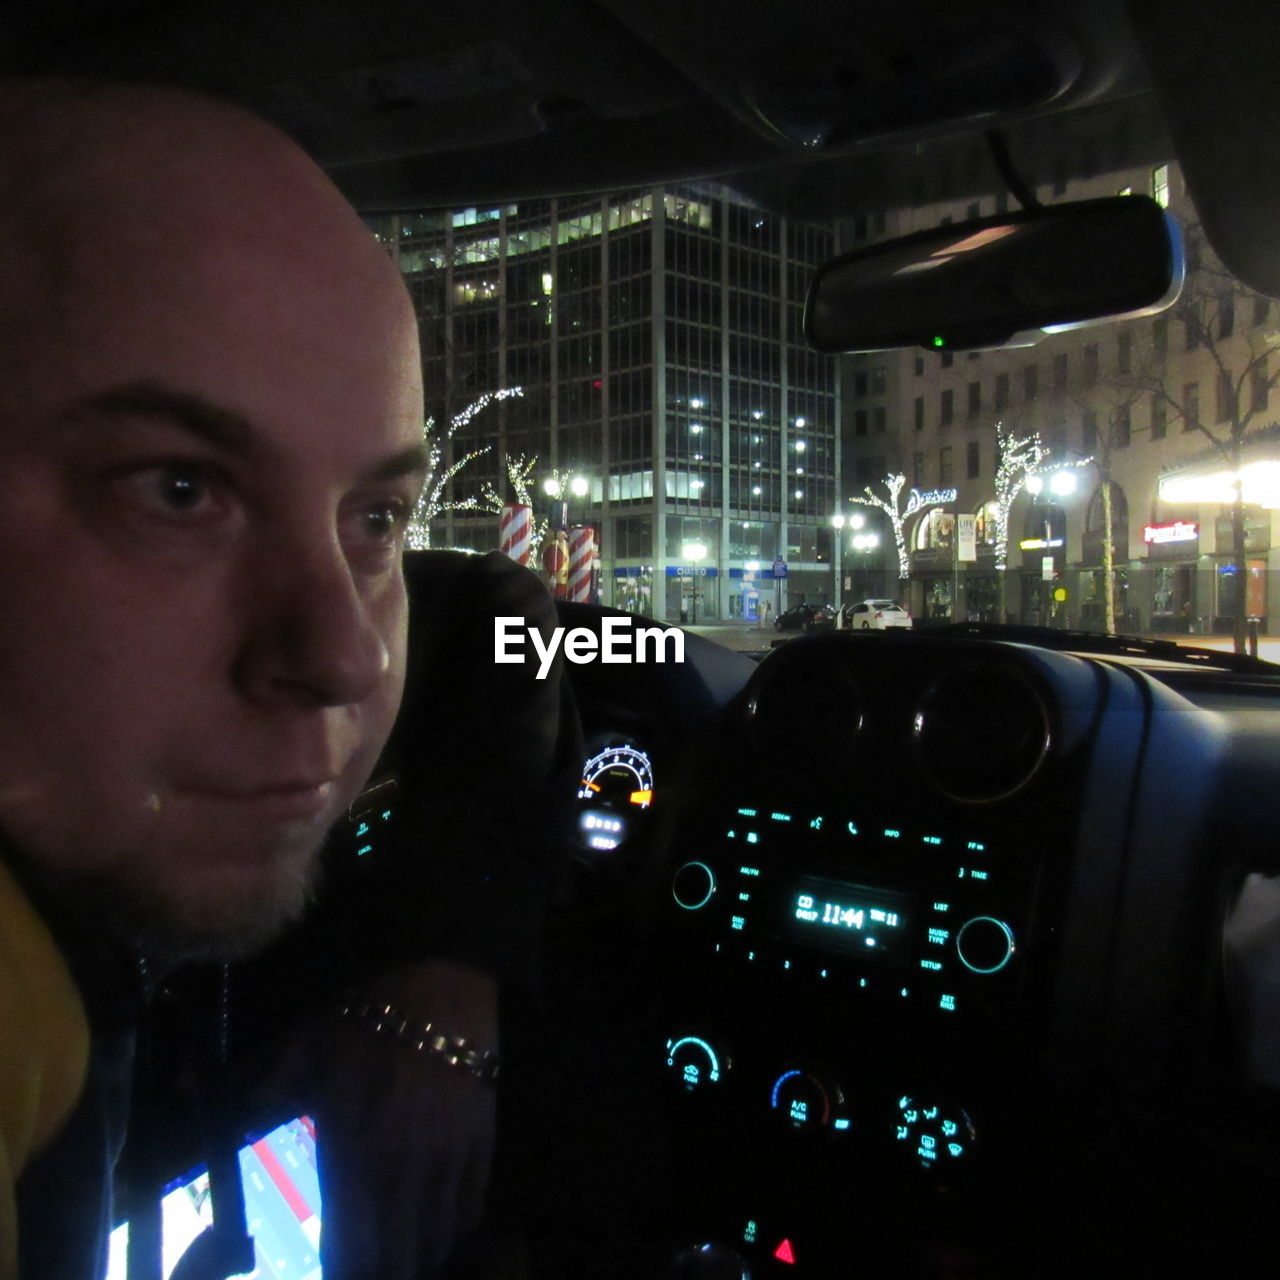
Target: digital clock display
849,917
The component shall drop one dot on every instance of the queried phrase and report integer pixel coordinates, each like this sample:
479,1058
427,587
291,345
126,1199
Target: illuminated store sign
932,498
1039,544
1176,531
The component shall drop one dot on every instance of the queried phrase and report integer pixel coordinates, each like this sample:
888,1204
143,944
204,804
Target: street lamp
695,553
559,489
1061,482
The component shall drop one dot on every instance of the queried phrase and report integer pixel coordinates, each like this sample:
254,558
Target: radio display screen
848,917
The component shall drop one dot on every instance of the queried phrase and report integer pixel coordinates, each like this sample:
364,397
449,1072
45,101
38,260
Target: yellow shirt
44,1050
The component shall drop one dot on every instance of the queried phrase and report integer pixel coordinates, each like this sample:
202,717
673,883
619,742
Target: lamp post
1061,482
695,553
559,488
838,523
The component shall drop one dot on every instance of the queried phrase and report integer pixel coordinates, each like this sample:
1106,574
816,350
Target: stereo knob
985,944
693,885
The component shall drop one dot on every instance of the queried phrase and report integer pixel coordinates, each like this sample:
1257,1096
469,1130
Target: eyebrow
224,428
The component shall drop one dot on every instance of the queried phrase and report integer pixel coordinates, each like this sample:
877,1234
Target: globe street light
560,489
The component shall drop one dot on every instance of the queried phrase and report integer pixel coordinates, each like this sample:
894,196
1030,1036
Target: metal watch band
454,1051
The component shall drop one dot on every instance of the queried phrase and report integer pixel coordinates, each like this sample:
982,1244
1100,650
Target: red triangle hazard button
784,1252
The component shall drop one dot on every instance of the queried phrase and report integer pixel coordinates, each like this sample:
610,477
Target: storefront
1172,557
934,567
633,589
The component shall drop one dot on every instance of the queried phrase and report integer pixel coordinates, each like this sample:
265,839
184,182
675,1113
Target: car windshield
627,368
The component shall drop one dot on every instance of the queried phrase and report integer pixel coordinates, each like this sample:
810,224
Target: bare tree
1105,435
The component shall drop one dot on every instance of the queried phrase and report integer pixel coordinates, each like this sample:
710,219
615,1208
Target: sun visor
1218,86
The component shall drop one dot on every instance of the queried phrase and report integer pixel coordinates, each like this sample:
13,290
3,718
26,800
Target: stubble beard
171,919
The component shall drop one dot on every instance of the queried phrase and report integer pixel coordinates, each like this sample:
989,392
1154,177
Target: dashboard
935,956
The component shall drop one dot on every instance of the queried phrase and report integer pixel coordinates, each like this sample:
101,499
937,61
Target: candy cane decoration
516,531
582,550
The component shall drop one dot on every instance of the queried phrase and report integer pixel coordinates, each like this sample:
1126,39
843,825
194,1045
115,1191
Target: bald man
210,446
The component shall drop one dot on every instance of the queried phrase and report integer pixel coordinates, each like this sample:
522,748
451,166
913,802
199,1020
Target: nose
319,634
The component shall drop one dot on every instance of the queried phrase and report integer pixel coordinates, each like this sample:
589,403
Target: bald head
101,180
210,443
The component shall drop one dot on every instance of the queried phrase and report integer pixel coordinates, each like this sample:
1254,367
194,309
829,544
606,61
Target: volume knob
693,885
985,944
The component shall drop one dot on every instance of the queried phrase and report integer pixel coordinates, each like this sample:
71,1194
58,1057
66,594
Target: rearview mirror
1001,281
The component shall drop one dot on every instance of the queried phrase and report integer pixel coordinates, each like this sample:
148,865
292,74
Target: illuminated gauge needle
643,798
590,785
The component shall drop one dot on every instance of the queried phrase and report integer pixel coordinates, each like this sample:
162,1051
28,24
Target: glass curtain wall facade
655,338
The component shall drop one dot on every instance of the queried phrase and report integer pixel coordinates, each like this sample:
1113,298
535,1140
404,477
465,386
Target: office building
655,336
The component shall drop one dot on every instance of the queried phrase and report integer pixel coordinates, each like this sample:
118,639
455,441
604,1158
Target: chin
222,912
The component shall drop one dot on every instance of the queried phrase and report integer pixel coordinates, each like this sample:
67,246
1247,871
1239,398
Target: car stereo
928,916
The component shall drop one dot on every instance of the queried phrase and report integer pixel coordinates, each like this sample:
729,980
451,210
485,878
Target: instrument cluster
615,795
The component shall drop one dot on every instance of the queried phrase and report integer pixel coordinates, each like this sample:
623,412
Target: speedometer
618,775
617,784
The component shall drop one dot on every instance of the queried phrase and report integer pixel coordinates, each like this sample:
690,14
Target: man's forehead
155,224
153,168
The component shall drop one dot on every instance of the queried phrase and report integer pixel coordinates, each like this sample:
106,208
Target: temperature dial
695,1063
808,1102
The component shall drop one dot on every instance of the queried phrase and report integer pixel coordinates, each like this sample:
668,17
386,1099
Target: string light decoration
1017,457
889,505
433,503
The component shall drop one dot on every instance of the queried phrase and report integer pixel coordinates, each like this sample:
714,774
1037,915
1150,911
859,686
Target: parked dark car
796,618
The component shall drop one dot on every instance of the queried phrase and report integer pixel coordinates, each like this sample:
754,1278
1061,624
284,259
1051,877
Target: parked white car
878,615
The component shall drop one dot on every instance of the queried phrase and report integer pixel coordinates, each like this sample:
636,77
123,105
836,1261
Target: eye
183,489
388,518
176,490
382,522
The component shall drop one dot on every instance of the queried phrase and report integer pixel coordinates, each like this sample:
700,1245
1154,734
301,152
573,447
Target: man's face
207,458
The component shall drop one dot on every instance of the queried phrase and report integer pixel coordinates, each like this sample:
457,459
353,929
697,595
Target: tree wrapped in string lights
433,503
1017,457
889,505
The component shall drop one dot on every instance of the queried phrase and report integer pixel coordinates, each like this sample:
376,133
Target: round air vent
981,733
807,714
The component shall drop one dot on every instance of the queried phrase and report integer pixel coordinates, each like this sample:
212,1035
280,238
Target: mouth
292,799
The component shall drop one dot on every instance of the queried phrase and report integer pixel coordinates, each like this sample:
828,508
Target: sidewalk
747,637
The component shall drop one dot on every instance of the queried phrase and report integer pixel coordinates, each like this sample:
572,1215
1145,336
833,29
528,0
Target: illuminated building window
1160,185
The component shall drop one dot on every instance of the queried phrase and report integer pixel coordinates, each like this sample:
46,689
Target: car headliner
810,109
